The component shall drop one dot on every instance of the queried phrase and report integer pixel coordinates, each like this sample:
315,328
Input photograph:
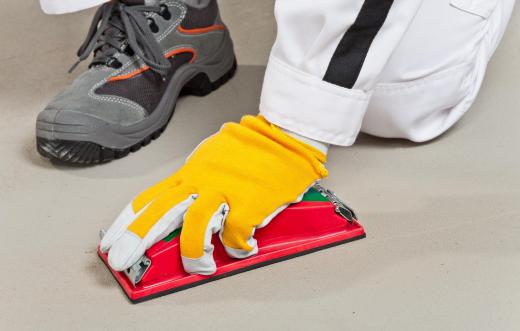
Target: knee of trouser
423,93
423,109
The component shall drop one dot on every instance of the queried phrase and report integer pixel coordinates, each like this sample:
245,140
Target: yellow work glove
235,182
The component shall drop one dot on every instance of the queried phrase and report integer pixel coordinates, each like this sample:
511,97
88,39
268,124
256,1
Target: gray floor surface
443,219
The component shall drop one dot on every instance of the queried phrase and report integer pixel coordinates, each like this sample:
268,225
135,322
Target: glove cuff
319,145
316,157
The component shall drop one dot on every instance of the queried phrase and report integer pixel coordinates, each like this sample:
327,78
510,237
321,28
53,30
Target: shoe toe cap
52,121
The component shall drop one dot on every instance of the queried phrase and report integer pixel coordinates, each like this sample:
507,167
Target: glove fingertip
125,252
202,266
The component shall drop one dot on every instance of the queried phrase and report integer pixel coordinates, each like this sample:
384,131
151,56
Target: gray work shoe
146,53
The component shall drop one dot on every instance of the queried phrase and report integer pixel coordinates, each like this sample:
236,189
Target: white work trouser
391,68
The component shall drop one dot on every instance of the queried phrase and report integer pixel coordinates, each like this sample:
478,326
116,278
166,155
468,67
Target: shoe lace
118,28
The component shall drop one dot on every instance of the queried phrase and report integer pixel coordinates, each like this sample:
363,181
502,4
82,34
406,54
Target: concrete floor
443,219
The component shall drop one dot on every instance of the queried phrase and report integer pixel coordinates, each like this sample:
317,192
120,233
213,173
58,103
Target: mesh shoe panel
147,88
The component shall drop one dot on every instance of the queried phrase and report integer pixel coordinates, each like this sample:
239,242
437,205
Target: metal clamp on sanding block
341,208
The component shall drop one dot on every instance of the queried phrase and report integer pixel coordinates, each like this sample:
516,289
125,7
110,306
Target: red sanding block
320,221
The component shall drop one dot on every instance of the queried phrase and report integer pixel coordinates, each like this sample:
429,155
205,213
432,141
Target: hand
236,181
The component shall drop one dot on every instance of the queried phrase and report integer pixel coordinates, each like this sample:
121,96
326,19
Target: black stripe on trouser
349,57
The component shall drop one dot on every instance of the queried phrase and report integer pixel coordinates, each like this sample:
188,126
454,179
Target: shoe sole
86,152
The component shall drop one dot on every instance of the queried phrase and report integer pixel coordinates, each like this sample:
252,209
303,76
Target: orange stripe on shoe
201,30
145,68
